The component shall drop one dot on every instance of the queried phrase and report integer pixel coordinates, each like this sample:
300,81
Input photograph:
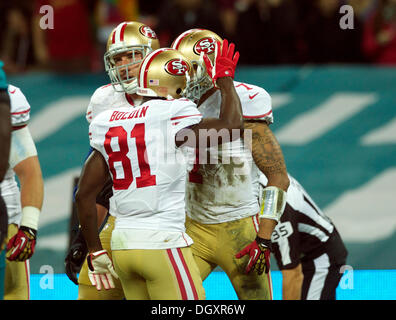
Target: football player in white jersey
223,214
24,205
127,45
142,150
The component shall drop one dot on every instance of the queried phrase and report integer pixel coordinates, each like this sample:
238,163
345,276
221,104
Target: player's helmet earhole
179,91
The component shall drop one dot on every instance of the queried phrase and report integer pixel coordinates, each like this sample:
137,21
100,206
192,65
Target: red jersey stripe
21,112
18,127
259,116
181,117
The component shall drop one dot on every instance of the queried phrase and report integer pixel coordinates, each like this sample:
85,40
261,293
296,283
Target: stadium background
335,121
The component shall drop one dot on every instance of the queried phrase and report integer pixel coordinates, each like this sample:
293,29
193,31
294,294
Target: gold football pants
159,274
216,245
17,274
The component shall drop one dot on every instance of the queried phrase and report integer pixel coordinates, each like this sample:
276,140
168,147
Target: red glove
225,61
259,251
21,246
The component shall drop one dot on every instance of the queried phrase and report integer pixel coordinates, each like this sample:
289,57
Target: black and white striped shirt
304,232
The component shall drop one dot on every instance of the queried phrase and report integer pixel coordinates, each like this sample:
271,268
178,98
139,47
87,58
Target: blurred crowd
266,32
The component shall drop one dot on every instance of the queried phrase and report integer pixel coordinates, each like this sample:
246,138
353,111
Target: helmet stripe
178,40
145,65
113,38
119,32
122,31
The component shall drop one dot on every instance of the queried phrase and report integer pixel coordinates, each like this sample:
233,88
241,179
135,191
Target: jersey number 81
146,179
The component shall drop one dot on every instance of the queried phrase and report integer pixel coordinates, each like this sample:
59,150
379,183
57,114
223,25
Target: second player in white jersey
223,213
221,190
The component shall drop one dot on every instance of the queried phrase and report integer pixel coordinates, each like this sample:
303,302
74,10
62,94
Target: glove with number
75,257
259,251
21,246
225,61
101,270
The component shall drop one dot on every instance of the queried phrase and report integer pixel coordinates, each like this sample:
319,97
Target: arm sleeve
22,146
88,114
93,136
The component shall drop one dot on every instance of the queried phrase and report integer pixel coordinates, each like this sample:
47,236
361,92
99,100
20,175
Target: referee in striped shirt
308,248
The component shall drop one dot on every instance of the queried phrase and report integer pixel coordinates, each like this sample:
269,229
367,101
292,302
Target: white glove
101,270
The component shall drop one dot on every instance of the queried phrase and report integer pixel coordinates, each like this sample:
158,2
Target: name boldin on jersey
120,115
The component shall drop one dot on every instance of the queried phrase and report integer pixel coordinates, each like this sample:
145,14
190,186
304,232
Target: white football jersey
148,171
105,98
222,189
20,114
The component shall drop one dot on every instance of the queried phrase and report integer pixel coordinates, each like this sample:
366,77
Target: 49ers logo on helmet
177,67
148,32
207,45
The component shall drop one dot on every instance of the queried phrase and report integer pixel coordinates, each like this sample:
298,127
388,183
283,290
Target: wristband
273,203
93,255
30,217
264,243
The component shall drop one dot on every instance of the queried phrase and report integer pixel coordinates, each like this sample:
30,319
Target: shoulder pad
101,100
256,102
20,107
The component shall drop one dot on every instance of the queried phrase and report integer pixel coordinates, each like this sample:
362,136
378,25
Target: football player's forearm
266,227
31,182
231,109
101,214
92,179
268,156
87,216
